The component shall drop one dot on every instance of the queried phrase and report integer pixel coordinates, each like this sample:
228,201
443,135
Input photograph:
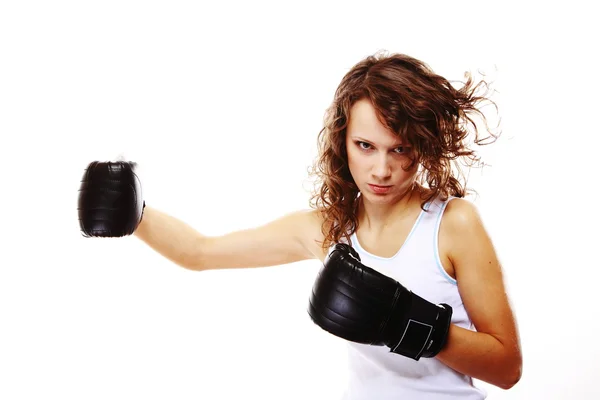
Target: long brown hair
420,107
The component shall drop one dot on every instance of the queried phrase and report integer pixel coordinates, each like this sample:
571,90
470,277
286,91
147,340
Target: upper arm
288,239
479,275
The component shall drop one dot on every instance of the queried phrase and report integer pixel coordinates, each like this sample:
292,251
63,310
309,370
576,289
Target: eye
363,145
402,150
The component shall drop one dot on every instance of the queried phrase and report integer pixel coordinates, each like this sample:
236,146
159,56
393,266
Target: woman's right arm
291,238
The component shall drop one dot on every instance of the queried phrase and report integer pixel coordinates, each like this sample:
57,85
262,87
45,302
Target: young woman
389,198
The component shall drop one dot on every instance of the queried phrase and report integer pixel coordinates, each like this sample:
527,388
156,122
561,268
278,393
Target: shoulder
308,225
461,227
458,217
307,218
461,214
464,234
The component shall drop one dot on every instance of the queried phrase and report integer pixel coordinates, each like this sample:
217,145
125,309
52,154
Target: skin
375,156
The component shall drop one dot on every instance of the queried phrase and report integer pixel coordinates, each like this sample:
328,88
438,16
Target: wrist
421,327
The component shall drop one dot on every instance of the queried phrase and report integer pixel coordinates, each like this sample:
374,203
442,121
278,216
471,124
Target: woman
387,186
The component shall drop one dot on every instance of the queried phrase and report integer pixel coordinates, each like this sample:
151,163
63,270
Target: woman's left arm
493,353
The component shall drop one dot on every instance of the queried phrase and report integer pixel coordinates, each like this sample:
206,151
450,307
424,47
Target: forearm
481,356
170,237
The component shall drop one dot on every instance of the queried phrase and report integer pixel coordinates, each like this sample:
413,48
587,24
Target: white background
221,105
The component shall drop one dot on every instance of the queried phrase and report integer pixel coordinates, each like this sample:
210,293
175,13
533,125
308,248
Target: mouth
379,186
379,189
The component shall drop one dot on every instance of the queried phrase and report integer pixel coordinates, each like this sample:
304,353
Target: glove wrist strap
424,330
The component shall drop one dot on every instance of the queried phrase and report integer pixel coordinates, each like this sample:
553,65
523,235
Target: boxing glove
110,200
359,304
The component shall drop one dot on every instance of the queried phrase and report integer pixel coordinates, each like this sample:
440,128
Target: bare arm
288,239
493,353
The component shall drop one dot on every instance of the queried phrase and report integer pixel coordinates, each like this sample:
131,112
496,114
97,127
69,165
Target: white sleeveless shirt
377,374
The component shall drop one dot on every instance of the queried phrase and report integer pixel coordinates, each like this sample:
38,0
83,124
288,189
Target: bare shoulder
461,215
311,232
460,228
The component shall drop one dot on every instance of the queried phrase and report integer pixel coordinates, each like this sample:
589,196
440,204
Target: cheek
353,158
403,173
353,166
357,167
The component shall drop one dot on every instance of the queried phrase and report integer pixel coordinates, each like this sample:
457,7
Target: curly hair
420,107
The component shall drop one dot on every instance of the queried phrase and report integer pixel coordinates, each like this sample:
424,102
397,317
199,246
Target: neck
377,217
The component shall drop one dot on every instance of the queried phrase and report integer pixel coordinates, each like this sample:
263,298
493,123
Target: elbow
190,266
191,262
195,263
193,259
513,377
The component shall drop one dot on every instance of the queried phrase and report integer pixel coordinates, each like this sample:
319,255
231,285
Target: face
376,157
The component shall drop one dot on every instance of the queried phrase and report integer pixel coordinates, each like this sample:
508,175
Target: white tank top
374,372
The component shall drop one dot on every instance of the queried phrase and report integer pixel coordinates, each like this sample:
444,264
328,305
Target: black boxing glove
110,200
359,304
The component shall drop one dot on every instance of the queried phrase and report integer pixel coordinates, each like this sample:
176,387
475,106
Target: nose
383,168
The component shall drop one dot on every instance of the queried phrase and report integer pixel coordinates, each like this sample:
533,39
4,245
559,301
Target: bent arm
492,353
288,239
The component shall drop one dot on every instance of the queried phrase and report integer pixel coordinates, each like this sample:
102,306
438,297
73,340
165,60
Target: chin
378,198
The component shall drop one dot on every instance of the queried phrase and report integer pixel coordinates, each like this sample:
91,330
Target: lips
379,189
379,186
